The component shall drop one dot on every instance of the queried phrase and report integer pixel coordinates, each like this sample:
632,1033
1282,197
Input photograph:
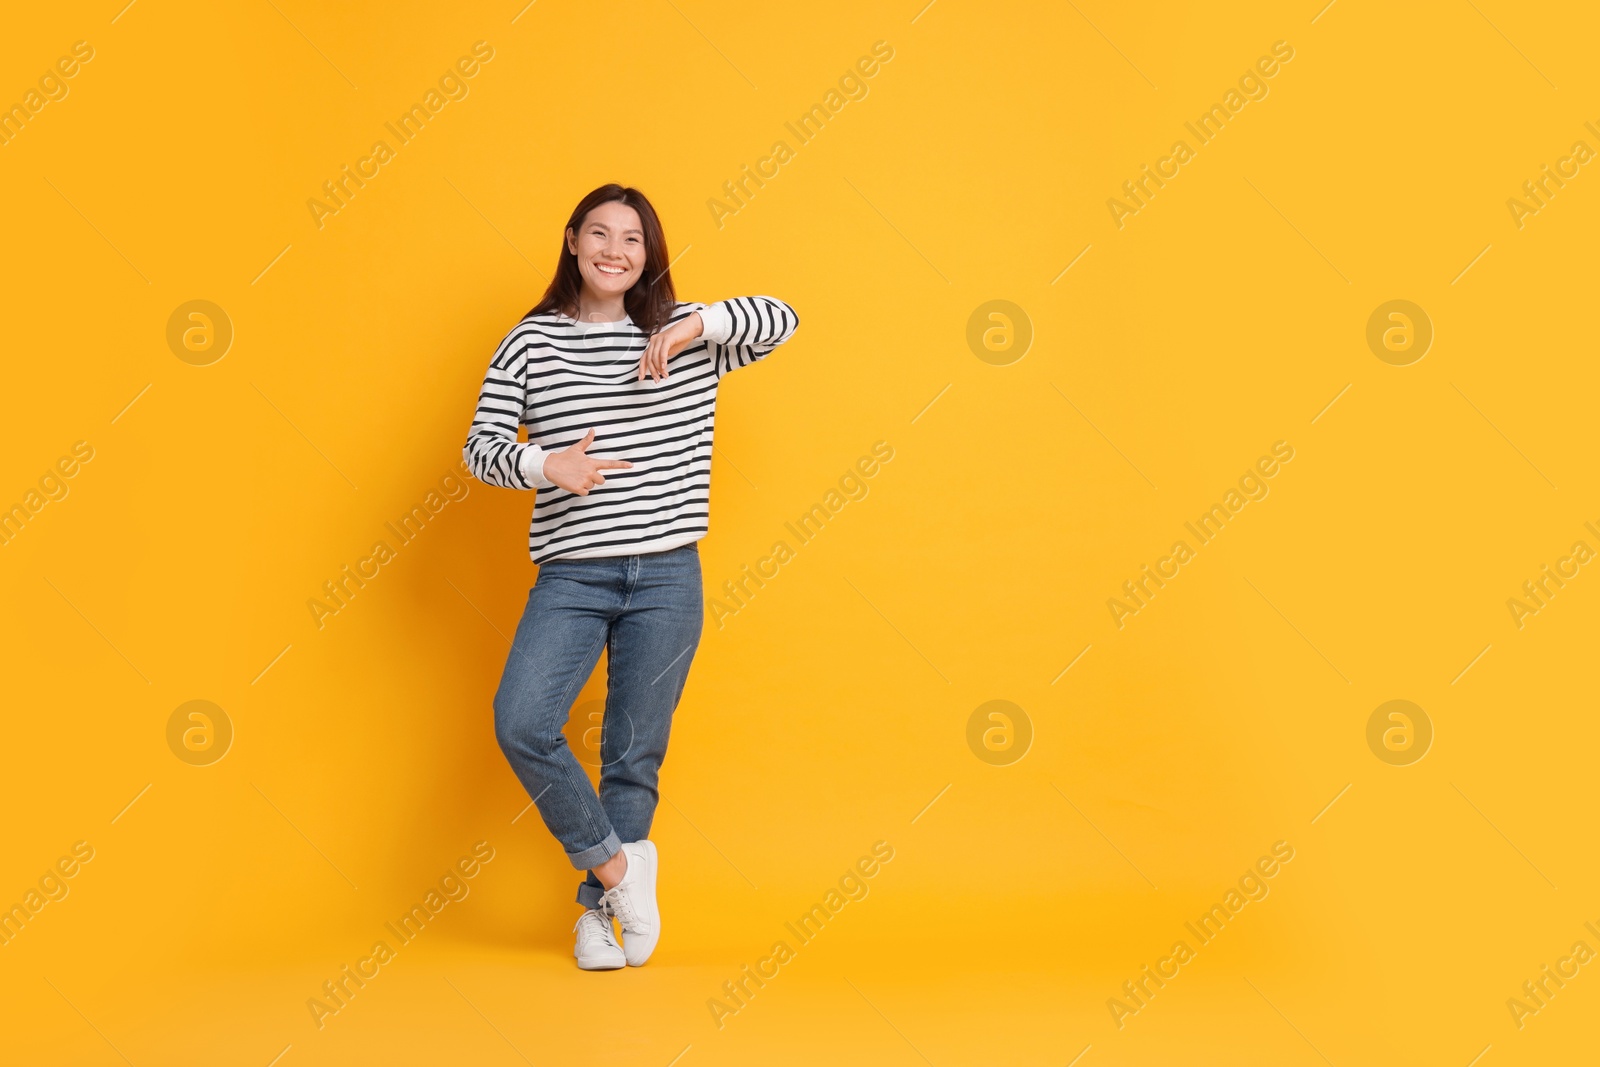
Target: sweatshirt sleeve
742,330
493,453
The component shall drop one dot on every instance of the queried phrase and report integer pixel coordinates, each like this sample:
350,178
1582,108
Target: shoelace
598,928
619,905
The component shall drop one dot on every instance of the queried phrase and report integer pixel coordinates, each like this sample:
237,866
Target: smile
604,269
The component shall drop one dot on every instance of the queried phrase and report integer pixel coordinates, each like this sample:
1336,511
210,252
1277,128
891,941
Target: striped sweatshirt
561,377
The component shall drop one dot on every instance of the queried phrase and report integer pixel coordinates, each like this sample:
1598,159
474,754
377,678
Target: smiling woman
611,242
619,464
615,537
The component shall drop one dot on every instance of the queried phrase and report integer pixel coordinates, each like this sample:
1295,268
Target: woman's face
610,249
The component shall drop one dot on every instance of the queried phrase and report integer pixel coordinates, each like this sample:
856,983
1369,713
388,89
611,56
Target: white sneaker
633,902
597,948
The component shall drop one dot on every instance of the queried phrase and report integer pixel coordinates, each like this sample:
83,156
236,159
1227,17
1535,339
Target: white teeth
611,270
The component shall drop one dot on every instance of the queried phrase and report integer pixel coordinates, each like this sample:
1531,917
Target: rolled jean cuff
590,895
589,857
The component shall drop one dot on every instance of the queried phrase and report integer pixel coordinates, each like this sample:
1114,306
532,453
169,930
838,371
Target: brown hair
651,301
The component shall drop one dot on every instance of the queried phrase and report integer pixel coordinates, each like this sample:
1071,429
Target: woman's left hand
664,345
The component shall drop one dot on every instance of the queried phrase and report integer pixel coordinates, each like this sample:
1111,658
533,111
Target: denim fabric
646,610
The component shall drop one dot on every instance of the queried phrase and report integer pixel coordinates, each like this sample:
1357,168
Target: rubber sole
601,966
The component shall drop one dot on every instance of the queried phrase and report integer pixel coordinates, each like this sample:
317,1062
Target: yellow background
830,711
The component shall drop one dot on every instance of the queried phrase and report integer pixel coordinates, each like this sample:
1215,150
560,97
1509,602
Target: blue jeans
646,611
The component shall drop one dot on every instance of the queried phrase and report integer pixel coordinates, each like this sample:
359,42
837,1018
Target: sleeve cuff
531,463
718,323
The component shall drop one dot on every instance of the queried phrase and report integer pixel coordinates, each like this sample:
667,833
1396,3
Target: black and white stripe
561,377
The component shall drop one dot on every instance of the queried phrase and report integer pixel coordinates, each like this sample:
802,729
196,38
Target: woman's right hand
576,472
